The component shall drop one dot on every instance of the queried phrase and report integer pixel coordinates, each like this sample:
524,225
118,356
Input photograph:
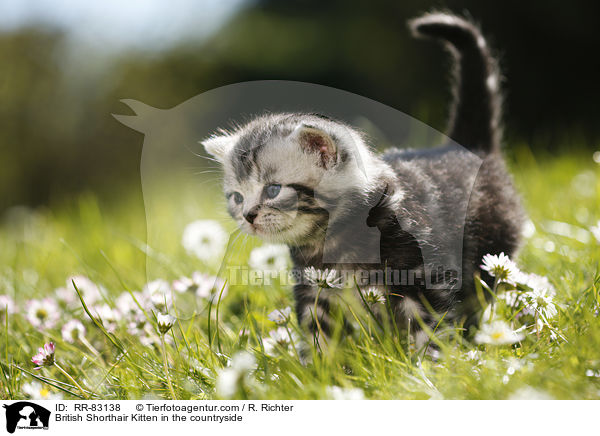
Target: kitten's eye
237,197
272,191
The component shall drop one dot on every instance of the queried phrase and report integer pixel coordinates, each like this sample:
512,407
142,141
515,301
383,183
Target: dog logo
26,415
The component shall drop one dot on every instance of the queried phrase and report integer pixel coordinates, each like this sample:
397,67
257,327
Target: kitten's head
287,175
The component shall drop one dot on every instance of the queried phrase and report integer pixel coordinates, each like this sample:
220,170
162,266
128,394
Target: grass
107,242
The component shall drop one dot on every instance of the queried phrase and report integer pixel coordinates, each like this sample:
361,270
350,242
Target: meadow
240,341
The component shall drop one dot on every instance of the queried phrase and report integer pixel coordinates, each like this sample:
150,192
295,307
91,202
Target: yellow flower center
497,335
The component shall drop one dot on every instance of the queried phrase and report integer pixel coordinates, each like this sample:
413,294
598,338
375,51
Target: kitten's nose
251,215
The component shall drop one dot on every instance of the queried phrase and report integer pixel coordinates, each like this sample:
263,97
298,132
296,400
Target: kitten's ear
219,145
317,141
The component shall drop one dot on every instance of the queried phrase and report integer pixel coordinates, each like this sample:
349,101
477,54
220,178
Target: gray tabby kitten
303,179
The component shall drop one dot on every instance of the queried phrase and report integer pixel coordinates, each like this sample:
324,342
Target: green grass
106,241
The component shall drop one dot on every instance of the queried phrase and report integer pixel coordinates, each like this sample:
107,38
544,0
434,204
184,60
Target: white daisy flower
339,393
326,279
184,284
511,298
203,285
232,378
90,291
37,391
472,354
542,301
107,316
227,382
42,314
500,266
278,340
271,257
127,306
72,331
374,295
497,333
280,316
7,305
164,322
205,239
158,294
136,324
534,281
243,361
67,296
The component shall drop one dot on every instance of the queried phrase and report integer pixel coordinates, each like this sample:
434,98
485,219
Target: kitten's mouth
264,230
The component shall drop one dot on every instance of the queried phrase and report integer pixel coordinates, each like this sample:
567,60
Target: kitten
311,182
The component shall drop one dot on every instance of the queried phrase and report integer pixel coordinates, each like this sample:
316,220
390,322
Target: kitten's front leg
312,310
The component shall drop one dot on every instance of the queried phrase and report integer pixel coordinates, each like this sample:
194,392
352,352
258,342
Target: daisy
243,361
45,356
91,292
136,324
107,316
42,314
472,355
205,239
325,279
7,305
497,333
72,331
374,295
126,305
500,266
272,257
280,316
533,281
158,294
36,391
278,339
164,322
232,378
203,285
511,298
184,284
66,295
227,382
542,301
338,393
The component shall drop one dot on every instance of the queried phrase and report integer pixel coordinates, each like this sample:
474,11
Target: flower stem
166,366
83,392
316,315
492,304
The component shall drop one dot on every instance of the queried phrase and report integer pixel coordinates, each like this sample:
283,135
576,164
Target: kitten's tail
475,116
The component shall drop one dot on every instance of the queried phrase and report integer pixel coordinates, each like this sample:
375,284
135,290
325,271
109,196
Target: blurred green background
65,66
